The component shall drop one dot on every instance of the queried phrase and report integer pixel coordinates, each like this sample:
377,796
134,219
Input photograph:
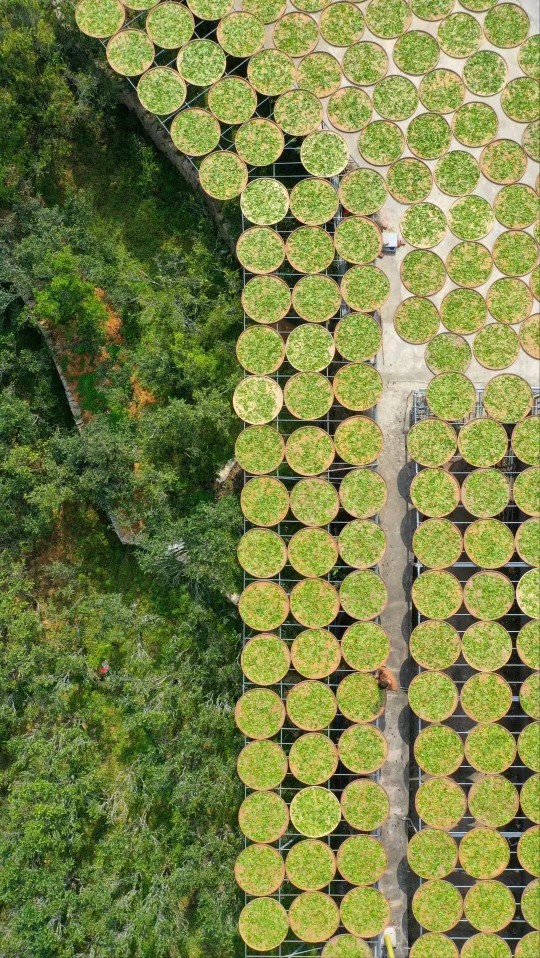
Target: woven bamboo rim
446,70
372,718
247,332
303,621
355,309
336,389
528,522
314,936
455,607
417,895
399,197
530,472
464,490
259,121
299,15
311,788
286,394
277,406
364,771
470,285
294,767
283,313
250,68
254,640
474,788
382,661
175,122
472,403
447,334
238,712
425,662
442,264
240,928
264,472
331,855
379,431
447,565
327,316
371,840
284,827
257,521
470,552
357,515
148,25
499,926
375,229
406,339
470,607
124,33
250,269
327,462
372,319
534,828
295,266
463,142
425,831
496,368
477,668
220,29
256,788
490,725
320,673
309,179
532,350
244,83
424,716
275,587
274,887
362,781
325,91
209,160
456,787
450,770
281,189
324,16
174,73
338,95
529,404
456,489
302,532
501,682
101,36
362,85
483,165
382,608
467,428
363,567
323,482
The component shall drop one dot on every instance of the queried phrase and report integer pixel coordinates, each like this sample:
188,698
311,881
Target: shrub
365,63
349,109
526,443
259,870
260,350
259,142
298,112
416,52
362,749
314,502
263,817
257,400
363,595
232,100
161,90
312,552
130,52
259,449
358,240
431,442
195,132
416,320
463,311
438,750
435,492
447,353
528,593
358,440
201,62
314,202
99,18
441,91
260,250
314,916
296,34
508,398
263,606
487,646
320,73
515,253
437,906
432,854
395,97
490,748
262,765
435,645
361,860
429,136
516,206
433,697
409,181
460,35
475,124
362,192
315,811
482,442
313,759
264,201
509,300
240,34
310,249
528,644
263,924
358,337
485,73
311,865
365,646
265,659
519,99
437,543
489,906
266,299
381,142
470,217
314,603
170,26
324,154
358,386
315,653
469,264
310,348
309,451
451,396
259,713
316,298
530,798
308,395
365,912
364,803
489,543
359,698
362,544
311,706
363,493
441,803
493,801
486,697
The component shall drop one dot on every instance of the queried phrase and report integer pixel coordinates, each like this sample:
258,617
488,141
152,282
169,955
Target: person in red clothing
104,669
386,679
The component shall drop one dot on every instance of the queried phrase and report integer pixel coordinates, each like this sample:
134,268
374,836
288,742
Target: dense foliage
118,796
